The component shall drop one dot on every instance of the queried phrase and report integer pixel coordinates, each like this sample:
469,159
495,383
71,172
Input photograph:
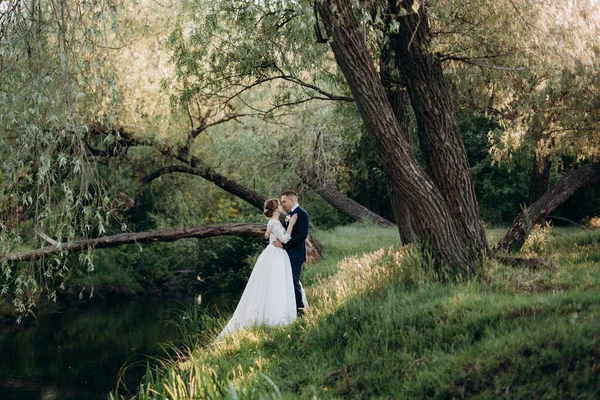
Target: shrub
538,240
594,223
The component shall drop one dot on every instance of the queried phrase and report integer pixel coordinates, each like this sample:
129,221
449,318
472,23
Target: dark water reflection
78,354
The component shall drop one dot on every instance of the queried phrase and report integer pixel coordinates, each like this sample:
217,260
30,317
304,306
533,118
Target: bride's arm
280,233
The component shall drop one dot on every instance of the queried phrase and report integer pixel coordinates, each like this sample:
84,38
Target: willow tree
63,111
537,78
52,68
258,61
248,45
443,207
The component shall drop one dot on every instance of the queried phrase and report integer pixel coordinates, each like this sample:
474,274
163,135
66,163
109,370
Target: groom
296,246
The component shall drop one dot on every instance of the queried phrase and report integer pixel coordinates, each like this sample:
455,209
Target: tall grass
383,325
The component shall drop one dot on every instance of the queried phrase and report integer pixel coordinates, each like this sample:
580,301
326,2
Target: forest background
132,116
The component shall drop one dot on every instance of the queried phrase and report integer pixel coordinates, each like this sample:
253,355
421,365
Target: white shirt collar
295,206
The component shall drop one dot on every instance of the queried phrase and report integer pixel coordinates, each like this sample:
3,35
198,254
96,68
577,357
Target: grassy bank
382,325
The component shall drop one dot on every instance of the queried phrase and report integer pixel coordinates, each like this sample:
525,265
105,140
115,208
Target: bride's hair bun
270,206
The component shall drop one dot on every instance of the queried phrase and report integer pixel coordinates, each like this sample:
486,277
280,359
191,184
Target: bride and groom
274,295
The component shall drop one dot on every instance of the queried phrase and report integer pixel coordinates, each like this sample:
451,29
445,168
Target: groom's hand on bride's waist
278,244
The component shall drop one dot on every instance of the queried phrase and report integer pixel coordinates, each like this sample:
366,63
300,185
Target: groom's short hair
291,193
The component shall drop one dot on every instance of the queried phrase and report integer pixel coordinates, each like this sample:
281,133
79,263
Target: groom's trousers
296,272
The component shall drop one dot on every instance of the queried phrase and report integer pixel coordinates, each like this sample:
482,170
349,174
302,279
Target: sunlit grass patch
357,238
345,241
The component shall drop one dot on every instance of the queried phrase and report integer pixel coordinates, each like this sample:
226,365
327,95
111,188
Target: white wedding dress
268,298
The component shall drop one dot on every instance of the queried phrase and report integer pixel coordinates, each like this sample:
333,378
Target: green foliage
366,178
500,192
383,325
322,214
55,86
534,75
244,42
260,62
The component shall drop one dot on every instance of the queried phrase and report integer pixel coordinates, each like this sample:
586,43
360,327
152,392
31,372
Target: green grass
342,242
382,325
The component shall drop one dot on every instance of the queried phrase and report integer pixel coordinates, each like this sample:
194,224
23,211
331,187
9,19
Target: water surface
77,354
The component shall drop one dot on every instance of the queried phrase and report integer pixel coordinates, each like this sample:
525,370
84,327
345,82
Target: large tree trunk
399,101
165,235
421,72
337,199
537,212
433,222
540,177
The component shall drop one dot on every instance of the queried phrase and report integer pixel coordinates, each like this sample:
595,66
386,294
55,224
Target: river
77,354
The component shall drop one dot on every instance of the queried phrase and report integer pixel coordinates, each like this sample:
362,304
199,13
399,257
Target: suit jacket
296,246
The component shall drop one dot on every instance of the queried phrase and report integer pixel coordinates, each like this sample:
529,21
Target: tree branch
567,221
340,201
165,235
473,61
223,182
289,78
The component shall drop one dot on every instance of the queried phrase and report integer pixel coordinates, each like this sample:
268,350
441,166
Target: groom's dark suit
296,249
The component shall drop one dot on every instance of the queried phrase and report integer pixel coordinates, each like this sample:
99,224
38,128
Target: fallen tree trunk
537,212
165,235
338,200
313,250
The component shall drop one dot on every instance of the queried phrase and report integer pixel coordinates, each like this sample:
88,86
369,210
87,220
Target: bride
268,298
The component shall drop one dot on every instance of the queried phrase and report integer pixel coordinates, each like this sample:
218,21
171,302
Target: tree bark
440,138
537,212
165,235
433,222
540,177
337,199
398,98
